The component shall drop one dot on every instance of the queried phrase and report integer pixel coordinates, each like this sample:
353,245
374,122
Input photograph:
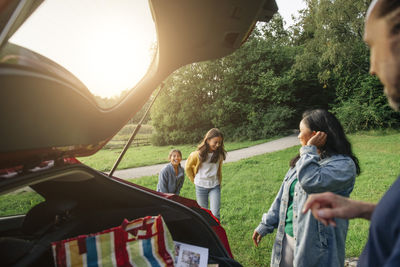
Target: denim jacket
315,244
168,181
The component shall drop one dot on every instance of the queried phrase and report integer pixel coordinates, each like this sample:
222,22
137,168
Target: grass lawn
104,159
249,187
19,202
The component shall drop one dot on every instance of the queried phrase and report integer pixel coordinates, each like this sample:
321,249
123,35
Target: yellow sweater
193,163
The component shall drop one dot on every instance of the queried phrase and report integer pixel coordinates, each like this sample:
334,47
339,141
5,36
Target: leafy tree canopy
263,88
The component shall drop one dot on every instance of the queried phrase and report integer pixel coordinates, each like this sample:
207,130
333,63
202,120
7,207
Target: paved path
234,155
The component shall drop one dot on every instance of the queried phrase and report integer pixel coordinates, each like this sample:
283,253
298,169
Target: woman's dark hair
172,151
386,6
203,148
336,142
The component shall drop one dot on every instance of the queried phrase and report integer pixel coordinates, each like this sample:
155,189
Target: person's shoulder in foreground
383,246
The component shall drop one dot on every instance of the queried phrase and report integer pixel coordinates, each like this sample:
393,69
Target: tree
182,113
332,36
263,88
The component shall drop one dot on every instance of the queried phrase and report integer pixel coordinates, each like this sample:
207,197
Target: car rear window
107,45
19,202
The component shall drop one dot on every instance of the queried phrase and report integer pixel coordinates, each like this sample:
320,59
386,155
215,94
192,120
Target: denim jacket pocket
322,233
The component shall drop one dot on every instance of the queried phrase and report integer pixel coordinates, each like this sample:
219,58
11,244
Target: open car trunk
80,200
49,115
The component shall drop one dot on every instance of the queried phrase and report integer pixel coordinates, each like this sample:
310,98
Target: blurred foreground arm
326,206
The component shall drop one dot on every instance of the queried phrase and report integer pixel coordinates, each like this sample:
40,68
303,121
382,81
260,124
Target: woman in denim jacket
325,163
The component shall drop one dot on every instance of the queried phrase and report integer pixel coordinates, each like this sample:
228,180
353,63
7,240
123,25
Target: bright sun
106,44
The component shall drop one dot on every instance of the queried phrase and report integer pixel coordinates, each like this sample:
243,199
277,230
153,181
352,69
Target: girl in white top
204,169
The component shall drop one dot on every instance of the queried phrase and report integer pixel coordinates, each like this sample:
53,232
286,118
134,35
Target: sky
72,33
289,7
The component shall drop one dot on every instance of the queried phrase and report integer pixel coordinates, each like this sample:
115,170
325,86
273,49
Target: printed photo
190,259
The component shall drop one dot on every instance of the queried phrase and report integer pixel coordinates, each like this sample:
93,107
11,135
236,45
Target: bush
272,122
360,116
275,121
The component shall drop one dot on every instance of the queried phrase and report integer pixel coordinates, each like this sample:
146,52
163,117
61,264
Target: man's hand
327,206
256,238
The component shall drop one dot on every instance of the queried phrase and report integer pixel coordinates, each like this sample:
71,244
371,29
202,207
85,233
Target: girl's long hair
336,142
203,147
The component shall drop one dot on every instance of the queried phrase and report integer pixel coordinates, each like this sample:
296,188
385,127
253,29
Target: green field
249,187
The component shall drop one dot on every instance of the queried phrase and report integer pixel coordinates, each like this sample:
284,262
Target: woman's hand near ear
318,140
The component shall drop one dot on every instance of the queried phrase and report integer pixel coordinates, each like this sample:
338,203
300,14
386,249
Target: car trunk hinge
137,128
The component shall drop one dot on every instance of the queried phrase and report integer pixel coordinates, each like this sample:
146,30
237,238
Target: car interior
79,200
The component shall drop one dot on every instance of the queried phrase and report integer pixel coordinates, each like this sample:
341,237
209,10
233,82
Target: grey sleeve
334,175
163,181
